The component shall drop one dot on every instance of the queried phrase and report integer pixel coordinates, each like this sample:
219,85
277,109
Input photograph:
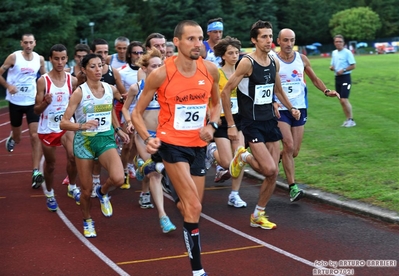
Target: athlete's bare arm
243,69
66,123
42,100
8,63
315,80
42,69
133,90
153,82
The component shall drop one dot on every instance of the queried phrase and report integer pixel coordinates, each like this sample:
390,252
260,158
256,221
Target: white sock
244,156
219,168
234,193
49,193
71,186
258,209
198,272
96,178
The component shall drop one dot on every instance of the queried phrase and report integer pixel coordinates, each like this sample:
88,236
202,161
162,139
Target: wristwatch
214,125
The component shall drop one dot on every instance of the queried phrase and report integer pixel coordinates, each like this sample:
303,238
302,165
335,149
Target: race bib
233,106
104,120
263,94
189,117
54,119
292,89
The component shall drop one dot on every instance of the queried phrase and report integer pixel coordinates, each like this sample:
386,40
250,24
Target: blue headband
215,26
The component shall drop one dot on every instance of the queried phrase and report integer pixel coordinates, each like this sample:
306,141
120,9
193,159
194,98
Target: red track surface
35,241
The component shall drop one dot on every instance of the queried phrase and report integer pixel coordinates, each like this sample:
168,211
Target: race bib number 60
189,117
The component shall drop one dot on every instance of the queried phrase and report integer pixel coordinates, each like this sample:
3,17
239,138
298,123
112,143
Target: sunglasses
137,53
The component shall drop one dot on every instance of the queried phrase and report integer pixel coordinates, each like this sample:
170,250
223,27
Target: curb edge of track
338,201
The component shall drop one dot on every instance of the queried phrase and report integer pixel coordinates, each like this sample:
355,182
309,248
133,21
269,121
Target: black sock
290,185
192,241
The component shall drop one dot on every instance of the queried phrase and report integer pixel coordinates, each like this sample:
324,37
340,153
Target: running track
34,241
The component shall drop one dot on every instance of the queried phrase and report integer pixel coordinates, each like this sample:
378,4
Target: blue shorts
194,156
261,131
286,116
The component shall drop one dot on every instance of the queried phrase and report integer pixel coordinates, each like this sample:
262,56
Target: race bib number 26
189,117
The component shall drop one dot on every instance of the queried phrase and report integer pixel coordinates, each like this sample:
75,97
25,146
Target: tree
388,10
356,23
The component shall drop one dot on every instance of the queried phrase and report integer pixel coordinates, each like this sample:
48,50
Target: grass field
361,162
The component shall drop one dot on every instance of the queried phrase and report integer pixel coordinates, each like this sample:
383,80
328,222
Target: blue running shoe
10,143
166,225
75,194
52,204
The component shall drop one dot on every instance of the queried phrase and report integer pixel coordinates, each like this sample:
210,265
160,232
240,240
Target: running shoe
106,206
65,181
262,222
221,176
139,164
166,225
119,143
148,167
345,123
350,123
75,194
95,185
237,163
52,204
236,201
295,193
132,171
88,229
126,183
10,143
37,179
145,201
210,158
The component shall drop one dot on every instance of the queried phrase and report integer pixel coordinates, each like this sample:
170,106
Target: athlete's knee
117,179
50,167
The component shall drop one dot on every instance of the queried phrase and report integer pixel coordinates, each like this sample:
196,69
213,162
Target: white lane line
90,246
120,271
265,244
3,140
82,238
258,241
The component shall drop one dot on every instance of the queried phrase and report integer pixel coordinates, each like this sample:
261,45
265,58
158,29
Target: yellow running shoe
262,222
237,163
126,183
106,207
88,229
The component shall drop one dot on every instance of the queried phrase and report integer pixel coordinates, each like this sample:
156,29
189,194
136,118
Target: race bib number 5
189,117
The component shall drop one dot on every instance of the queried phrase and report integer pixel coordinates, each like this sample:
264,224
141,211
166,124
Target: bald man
293,65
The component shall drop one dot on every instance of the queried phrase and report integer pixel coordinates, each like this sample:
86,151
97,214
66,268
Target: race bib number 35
189,117
103,119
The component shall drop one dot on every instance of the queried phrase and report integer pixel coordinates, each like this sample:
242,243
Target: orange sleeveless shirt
184,103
